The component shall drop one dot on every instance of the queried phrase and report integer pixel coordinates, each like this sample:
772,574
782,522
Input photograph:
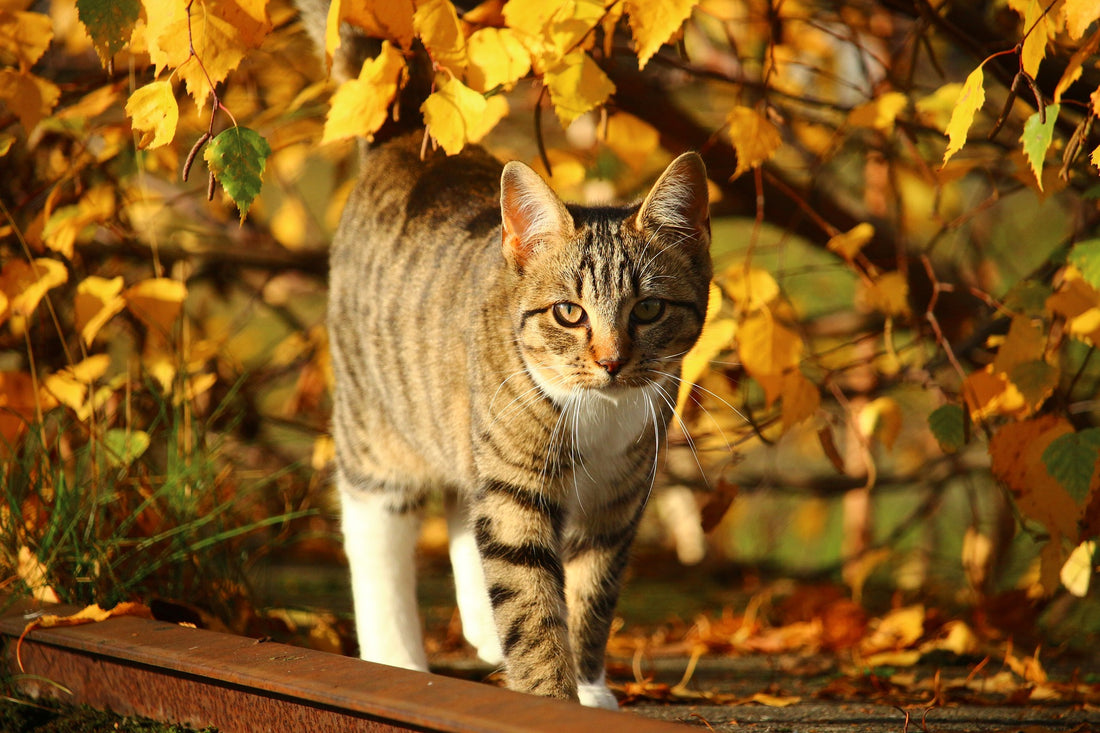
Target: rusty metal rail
201,678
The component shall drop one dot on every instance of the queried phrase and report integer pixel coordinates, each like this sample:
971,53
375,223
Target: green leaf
1085,256
1072,459
110,24
1036,139
123,447
237,158
947,423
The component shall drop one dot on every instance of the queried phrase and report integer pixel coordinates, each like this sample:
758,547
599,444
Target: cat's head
607,298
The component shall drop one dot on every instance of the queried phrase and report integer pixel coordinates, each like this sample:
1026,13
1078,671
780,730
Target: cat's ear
679,200
531,213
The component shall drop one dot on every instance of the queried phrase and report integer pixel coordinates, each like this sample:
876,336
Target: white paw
596,695
488,649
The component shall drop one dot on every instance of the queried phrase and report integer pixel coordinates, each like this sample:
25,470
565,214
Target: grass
101,516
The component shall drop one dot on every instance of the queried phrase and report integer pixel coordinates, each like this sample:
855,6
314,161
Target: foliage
129,513
919,281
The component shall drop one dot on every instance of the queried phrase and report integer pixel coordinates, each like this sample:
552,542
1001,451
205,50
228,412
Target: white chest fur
604,429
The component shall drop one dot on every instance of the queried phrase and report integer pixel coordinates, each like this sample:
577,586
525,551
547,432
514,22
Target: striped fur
454,374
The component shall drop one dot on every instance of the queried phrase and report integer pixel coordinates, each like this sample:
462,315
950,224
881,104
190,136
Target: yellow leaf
155,114
29,97
1080,14
156,302
988,393
1076,62
25,284
879,114
899,629
971,98
66,224
324,451
632,139
160,15
1079,304
654,23
716,337
773,701
767,347
754,138
1035,44
217,43
436,23
888,294
288,225
801,398
249,17
24,37
570,28
497,58
457,115
1077,572
71,385
360,106
33,572
97,301
386,19
750,289
88,615
881,418
848,244
1094,157
577,85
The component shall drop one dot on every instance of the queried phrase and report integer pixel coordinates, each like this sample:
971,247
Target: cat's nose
611,366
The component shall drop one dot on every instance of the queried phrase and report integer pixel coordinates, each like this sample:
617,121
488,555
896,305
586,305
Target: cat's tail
356,48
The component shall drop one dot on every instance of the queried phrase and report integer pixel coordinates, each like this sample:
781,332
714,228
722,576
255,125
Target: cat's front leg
518,533
596,548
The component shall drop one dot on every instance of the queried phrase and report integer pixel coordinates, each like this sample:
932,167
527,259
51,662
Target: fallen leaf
87,615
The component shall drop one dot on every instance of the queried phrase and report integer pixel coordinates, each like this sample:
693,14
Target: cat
521,356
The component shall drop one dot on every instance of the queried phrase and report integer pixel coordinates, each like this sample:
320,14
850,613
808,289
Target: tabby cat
521,355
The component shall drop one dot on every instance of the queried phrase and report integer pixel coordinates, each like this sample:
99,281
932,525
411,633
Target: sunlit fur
453,375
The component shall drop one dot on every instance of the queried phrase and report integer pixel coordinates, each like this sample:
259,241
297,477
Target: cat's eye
648,310
569,314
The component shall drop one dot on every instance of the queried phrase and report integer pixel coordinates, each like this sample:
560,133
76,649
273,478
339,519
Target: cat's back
416,251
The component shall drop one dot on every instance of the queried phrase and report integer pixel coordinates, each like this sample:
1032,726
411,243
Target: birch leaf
110,23
1036,139
971,98
654,23
24,37
1035,44
577,85
457,115
497,59
1080,14
717,336
436,22
98,300
754,138
237,158
154,114
360,106
24,284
